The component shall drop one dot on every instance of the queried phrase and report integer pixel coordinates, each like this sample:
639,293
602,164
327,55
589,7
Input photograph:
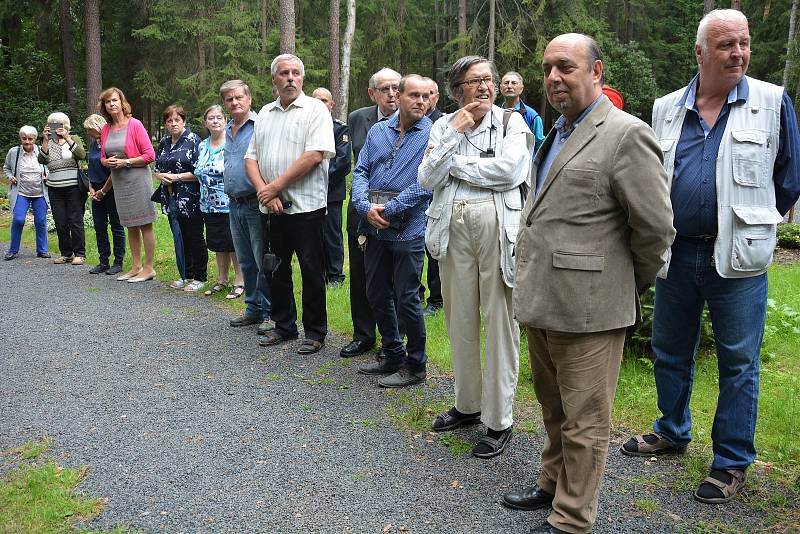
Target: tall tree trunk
287,25
462,26
438,41
347,47
333,61
94,73
401,23
492,7
67,52
262,34
736,4
790,44
708,5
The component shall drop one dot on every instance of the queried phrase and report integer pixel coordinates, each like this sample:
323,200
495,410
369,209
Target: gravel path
188,425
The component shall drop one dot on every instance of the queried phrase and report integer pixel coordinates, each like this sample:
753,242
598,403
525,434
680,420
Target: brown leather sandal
638,446
728,491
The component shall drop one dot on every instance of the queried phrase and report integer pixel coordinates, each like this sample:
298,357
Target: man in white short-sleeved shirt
287,163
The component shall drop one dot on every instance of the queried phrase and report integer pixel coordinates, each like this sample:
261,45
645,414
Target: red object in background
614,95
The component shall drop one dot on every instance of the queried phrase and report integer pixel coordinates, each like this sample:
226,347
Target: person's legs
434,283
310,246
223,264
334,243
194,247
59,206
21,207
135,240
40,223
379,269
117,230
462,313
76,207
149,240
407,260
237,269
284,309
360,310
177,238
249,250
100,220
676,332
738,308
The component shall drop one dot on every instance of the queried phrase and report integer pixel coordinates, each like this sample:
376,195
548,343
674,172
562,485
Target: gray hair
459,69
230,85
716,15
594,53
94,122
28,131
384,70
60,117
515,73
287,57
213,107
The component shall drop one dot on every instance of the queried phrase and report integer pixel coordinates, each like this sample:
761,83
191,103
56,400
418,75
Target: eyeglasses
388,89
476,82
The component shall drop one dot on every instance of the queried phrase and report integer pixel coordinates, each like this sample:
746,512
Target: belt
242,200
697,239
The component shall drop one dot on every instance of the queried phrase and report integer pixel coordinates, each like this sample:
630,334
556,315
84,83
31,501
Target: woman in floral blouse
176,157
214,203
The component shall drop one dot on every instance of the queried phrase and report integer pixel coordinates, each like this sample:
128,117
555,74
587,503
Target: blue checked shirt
382,165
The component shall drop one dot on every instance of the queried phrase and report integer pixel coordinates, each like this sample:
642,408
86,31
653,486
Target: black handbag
83,181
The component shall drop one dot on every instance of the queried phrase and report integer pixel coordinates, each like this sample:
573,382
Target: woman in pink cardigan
125,148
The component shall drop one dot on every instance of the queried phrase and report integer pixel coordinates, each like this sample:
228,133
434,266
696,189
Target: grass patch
42,498
274,377
648,506
34,449
456,445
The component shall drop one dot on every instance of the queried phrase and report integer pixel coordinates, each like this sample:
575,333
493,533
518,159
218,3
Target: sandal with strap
713,485
216,288
489,447
649,445
235,292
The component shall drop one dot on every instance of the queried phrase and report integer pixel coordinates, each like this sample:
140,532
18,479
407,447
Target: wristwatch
127,164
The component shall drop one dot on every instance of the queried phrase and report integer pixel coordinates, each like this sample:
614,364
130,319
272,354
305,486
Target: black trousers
104,213
299,234
360,310
434,283
68,206
195,252
334,243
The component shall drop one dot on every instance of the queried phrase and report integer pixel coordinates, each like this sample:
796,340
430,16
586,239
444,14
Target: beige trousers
575,378
471,282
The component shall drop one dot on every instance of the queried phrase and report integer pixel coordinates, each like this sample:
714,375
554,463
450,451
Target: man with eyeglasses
383,91
512,86
386,194
477,166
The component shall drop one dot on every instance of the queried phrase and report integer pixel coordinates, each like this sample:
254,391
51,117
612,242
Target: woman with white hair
104,207
27,189
61,152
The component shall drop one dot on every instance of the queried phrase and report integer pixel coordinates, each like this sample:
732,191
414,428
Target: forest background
59,54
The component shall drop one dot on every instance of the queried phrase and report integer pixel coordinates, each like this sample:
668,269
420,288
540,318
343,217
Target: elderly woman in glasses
27,189
61,152
477,165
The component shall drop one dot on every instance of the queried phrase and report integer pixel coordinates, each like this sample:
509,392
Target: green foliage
789,235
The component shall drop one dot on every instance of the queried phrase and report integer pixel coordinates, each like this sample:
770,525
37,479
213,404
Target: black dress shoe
244,320
356,348
381,366
99,269
547,528
528,499
43,255
114,269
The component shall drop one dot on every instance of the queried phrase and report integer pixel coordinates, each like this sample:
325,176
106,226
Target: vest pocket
749,152
753,237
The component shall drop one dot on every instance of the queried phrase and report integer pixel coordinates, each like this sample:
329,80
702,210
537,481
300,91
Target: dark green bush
789,235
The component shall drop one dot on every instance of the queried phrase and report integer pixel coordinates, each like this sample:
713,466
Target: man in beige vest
594,233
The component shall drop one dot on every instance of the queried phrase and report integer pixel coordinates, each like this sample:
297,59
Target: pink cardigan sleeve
103,138
137,142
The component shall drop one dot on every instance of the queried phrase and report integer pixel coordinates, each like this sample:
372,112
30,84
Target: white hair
59,117
384,71
716,15
28,131
287,57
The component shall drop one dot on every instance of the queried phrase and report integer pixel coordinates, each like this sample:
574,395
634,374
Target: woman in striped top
61,152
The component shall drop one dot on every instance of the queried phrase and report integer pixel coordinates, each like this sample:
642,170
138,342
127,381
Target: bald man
337,172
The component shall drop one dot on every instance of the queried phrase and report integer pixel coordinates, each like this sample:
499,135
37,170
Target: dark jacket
339,167
359,122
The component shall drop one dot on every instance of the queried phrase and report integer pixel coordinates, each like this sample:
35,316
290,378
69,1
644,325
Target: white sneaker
180,283
194,285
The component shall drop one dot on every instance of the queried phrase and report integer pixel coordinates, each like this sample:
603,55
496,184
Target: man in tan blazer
594,233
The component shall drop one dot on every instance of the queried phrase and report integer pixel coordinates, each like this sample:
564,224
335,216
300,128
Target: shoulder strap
16,161
506,117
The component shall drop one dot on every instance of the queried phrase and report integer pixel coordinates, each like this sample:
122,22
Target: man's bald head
320,93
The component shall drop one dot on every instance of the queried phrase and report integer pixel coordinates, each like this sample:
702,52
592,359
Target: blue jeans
394,270
247,231
738,308
21,207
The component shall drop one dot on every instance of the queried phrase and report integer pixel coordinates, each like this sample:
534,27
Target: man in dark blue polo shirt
247,225
395,228
732,150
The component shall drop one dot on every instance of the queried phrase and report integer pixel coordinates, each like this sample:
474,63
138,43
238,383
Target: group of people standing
559,234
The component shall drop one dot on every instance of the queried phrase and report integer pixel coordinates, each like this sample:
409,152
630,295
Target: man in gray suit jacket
592,236
383,90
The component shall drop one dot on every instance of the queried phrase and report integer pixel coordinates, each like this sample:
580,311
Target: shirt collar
560,124
250,118
741,91
381,116
299,102
394,122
